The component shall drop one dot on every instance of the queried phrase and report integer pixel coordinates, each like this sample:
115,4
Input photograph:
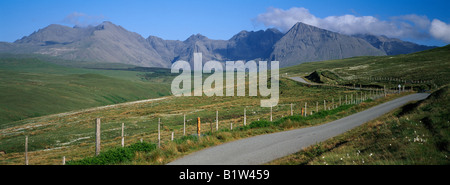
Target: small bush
170,148
186,138
115,155
223,136
142,147
112,156
156,156
259,124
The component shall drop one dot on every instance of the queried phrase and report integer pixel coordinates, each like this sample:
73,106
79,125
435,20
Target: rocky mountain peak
108,42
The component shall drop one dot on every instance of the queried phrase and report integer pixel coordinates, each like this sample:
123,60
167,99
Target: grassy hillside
31,87
430,68
72,135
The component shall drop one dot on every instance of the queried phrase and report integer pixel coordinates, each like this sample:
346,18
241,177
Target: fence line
374,94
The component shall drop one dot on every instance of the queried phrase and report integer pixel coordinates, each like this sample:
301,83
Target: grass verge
171,150
415,134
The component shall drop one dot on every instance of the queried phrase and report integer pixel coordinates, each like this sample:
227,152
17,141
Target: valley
72,135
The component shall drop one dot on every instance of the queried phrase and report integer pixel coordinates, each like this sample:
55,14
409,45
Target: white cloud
440,30
350,24
421,22
285,19
405,26
82,19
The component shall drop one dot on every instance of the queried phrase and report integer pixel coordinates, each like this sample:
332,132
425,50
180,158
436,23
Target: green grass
302,119
119,155
416,134
171,150
31,88
116,155
431,65
44,86
72,135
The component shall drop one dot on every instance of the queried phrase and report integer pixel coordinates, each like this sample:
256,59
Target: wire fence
178,125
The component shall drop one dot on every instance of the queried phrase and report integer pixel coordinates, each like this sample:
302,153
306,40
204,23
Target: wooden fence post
306,103
26,150
317,106
292,113
123,139
245,116
172,137
198,126
210,126
184,124
217,120
64,160
271,113
159,132
97,136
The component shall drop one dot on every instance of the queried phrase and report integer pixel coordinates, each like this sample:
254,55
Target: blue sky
422,21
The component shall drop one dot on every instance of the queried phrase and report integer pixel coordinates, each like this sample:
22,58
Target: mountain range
111,43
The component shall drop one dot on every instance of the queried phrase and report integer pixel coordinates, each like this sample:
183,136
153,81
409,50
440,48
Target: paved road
300,79
265,148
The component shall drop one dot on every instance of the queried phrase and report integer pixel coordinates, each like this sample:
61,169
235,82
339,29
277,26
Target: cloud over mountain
404,26
440,30
82,20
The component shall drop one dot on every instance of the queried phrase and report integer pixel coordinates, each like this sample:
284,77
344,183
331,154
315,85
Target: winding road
265,148
300,79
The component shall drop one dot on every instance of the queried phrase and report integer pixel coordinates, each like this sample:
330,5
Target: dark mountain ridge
111,43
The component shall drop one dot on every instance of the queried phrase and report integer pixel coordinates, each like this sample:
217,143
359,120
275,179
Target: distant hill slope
393,46
31,87
110,43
